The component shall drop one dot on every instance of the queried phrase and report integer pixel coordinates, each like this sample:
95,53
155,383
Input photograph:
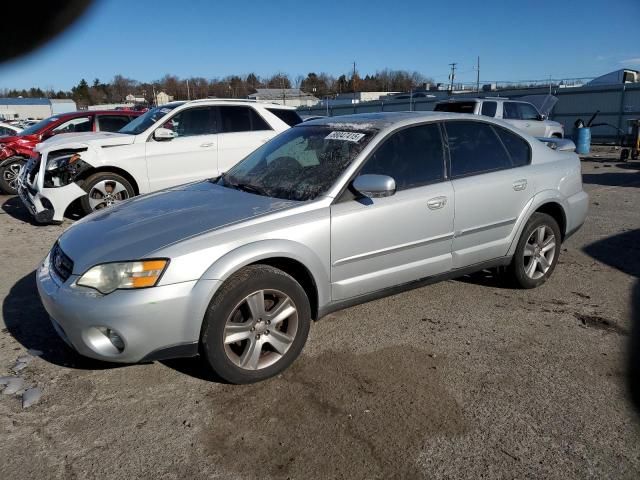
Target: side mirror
375,186
164,134
542,117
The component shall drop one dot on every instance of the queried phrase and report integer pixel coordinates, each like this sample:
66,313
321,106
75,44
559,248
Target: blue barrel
582,139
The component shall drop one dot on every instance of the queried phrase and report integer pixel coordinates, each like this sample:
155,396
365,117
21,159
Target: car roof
239,101
390,121
381,120
480,99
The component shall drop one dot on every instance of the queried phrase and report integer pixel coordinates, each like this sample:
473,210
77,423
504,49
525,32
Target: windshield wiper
247,187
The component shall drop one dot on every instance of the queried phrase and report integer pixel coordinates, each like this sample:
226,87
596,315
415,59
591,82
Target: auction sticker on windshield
347,136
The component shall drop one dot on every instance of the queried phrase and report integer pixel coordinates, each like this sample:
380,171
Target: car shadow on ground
613,179
27,321
486,278
14,207
622,252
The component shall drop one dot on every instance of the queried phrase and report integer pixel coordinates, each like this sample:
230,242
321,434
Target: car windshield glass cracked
299,164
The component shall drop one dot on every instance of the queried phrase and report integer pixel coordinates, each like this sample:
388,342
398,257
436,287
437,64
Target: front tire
537,252
104,189
256,325
9,175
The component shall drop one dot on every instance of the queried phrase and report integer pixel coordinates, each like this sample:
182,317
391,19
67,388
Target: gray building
294,97
38,108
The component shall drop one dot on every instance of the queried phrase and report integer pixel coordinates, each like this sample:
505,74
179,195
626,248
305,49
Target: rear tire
537,252
104,189
9,174
256,325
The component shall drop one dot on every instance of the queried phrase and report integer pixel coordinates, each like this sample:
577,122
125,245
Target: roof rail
247,100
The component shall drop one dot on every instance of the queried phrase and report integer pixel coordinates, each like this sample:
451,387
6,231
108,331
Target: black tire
516,272
228,303
112,179
8,170
624,154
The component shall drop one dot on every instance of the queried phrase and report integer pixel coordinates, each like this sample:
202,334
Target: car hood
97,139
137,228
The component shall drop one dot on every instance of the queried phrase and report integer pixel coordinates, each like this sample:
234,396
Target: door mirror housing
162,134
542,117
374,186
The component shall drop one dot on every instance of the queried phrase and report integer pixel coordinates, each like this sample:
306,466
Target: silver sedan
331,213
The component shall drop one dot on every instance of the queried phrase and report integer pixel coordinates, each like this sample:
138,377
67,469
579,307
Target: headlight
62,161
111,276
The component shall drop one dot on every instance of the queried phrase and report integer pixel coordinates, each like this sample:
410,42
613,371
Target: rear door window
489,109
112,123
241,119
510,111
412,157
290,117
474,148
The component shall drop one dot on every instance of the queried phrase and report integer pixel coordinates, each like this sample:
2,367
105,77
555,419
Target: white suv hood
97,139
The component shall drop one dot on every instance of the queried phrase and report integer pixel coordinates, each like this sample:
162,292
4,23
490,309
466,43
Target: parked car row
18,148
330,213
169,145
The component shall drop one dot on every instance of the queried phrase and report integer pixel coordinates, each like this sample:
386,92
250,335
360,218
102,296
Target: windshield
141,123
35,128
299,164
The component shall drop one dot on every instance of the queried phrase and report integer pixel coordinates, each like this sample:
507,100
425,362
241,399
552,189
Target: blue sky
516,40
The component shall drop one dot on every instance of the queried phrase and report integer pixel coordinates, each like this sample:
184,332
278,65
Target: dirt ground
462,379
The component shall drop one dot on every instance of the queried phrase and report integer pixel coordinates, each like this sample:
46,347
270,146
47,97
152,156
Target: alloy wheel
539,252
10,174
106,193
260,329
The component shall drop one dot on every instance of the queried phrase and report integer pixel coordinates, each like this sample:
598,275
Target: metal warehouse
22,108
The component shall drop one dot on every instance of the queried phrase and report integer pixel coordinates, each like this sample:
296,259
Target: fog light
115,339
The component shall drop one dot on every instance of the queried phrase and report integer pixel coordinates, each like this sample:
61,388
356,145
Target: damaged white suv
169,145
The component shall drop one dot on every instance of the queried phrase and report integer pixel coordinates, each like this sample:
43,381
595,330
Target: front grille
61,264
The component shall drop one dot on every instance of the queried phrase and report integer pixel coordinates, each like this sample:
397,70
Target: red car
16,150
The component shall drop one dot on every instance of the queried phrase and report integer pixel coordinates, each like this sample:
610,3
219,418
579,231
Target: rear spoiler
561,144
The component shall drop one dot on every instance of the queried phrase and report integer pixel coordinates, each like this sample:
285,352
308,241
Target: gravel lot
463,379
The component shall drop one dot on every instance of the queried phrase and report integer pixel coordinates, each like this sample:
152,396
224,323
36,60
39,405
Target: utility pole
353,81
188,91
478,75
452,75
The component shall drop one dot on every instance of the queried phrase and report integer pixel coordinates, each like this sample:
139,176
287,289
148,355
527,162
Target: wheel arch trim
263,250
542,198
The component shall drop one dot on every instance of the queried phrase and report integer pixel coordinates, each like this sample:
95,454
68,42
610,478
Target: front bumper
154,323
46,204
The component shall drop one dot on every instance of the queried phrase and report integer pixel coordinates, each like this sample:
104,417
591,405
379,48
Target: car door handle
436,203
520,185
205,145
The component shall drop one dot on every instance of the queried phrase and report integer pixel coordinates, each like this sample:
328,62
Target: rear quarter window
290,117
518,148
456,107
